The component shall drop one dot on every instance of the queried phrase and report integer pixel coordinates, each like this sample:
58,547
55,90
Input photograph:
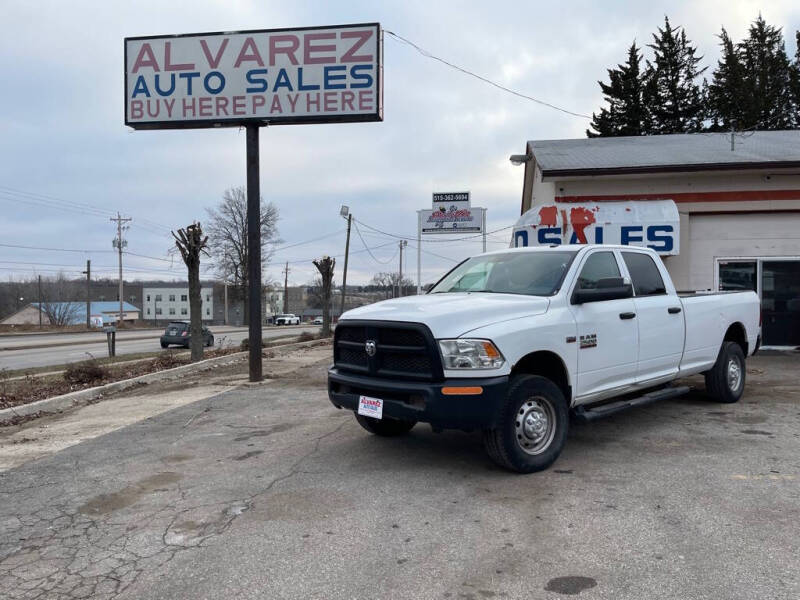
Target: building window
184,311
148,311
208,298
102,298
172,311
132,299
172,297
158,310
158,297
208,312
184,297
148,297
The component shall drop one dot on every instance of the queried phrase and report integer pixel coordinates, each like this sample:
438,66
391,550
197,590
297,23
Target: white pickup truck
510,342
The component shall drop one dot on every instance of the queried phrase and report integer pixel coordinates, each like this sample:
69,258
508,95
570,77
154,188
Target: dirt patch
86,374
127,496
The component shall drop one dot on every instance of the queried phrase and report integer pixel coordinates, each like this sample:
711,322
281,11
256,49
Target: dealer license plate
370,407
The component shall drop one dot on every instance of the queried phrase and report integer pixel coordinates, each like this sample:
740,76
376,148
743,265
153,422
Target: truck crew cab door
607,333
659,317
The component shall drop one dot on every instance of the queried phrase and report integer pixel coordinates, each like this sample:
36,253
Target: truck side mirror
610,288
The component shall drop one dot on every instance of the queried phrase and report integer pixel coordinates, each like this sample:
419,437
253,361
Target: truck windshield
530,273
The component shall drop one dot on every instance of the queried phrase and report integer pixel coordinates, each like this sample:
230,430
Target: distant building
171,302
74,313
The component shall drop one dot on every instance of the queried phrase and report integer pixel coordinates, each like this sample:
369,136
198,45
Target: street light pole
345,211
403,244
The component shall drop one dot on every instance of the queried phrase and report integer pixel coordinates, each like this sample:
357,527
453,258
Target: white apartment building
172,303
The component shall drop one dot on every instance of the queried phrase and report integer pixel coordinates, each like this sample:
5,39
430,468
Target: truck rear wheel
725,380
533,426
385,427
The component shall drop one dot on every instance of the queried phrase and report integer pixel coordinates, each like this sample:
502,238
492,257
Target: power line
380,262
427,54
52,249
446,241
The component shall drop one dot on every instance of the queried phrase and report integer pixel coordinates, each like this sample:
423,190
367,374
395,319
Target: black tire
385,427
725,381
163,345
533,425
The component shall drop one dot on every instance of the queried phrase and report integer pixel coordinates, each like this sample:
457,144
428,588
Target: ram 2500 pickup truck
510,342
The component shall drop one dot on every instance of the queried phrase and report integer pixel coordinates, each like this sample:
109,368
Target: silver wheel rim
734,373
535,425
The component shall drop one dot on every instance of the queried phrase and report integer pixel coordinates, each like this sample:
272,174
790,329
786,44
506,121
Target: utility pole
286,288
403,244
88,273
226,302
343,211
119,243
419,253
40,301
483,226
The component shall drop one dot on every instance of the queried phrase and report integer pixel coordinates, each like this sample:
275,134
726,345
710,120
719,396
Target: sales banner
269,77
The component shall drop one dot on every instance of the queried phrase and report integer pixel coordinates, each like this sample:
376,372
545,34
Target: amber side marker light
462,391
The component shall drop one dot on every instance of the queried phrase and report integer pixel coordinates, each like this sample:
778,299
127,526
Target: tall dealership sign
331,74
266,77
451,212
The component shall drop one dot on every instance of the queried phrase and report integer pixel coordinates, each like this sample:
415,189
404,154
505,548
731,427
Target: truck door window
599,265
645,276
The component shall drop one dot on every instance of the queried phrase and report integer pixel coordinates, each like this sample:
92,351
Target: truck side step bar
592,413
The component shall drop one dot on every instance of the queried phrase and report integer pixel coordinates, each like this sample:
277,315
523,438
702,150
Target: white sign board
451,213
648,223
269,76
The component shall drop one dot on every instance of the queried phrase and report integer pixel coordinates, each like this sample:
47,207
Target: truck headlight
470,354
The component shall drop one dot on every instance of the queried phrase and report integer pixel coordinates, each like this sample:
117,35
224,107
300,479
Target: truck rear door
658,316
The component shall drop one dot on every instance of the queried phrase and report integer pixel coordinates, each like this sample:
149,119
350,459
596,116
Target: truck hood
452,315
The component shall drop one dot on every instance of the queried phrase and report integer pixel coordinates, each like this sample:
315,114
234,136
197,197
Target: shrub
87,371
167,360
306,336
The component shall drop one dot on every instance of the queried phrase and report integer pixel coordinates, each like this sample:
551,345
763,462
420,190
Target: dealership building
722,210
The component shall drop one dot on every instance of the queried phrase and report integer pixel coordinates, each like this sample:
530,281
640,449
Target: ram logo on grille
370,347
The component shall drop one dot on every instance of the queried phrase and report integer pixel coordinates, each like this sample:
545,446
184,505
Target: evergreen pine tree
766,93
626,113
725,90
795,80
672,93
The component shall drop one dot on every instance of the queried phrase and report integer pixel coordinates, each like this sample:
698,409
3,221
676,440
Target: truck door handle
627,315
673,310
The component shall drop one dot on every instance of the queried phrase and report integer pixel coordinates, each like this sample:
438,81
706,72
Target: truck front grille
401,350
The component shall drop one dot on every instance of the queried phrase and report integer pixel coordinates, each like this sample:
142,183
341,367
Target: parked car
177,334
510,342
287,319
317,321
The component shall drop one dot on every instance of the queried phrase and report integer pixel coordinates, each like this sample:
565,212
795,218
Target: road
35,351
269,492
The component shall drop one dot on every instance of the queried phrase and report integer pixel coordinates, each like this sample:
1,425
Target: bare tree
60,300
387,284
325,267
227,234
191,244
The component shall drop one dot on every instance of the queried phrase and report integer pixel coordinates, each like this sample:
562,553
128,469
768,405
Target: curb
72,399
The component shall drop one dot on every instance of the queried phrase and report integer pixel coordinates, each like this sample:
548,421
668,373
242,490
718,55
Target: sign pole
483,226
254,252
419,253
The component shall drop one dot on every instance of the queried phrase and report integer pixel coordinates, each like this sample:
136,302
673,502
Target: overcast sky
62,133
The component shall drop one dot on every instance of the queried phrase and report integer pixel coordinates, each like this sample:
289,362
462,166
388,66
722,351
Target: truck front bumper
423,401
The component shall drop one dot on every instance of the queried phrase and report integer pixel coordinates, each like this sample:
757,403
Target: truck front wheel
532,428
725,380
385,427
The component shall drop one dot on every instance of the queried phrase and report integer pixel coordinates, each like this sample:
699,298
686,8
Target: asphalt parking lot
269,492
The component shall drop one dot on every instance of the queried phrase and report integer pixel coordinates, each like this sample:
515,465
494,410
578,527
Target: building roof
665,153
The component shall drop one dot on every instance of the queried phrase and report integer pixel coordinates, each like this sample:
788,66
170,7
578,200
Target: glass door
780,302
